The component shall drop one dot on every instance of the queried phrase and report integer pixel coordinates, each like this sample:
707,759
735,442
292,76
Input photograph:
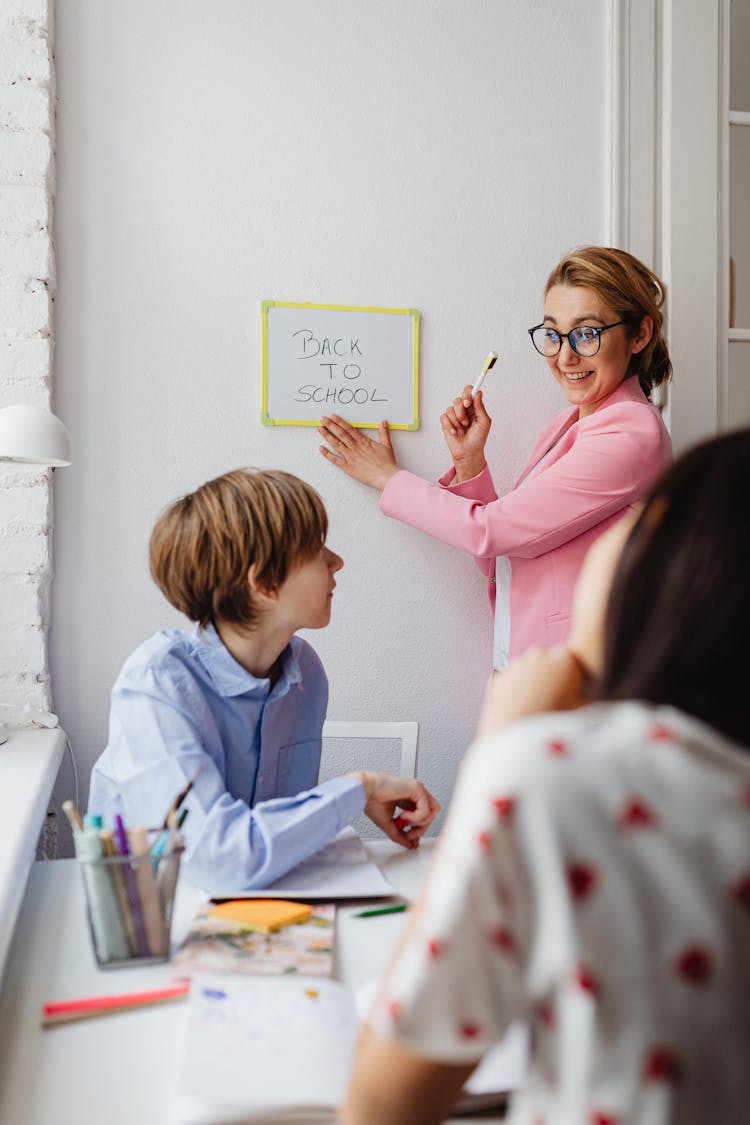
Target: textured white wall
26,294
440,156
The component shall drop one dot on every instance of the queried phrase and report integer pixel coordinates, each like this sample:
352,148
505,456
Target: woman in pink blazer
602,339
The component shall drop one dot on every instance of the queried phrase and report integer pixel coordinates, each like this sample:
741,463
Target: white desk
29,762
121,1069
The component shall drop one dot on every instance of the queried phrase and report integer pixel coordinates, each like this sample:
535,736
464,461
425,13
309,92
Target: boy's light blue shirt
256,809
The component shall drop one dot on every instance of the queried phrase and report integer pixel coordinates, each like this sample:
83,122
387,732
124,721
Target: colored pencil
66,1011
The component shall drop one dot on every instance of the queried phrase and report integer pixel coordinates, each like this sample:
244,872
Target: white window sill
29,762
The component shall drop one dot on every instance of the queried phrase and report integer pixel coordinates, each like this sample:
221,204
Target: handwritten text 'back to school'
343,366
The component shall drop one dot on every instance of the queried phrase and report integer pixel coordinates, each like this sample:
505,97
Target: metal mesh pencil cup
129,902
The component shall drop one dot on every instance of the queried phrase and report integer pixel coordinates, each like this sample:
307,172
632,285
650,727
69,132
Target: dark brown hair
633,291
678,626
205,545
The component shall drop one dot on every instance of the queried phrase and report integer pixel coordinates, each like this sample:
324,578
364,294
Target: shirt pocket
299,763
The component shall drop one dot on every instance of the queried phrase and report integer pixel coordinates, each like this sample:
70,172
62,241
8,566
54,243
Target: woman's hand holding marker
466,427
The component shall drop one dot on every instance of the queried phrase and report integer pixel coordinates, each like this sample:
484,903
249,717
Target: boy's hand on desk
386,794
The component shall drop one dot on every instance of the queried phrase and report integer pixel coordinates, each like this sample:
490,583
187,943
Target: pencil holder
129,902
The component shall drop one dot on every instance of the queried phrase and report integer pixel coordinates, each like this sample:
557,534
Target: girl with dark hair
602,338
593,878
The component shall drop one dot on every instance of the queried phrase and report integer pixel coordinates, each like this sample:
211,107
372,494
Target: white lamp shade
33,436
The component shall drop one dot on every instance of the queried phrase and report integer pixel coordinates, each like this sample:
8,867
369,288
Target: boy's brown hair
204,546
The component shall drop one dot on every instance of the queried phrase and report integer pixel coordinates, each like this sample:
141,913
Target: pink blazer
594,469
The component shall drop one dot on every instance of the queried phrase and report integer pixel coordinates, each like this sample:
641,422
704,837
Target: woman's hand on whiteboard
370,462
466,427
400,806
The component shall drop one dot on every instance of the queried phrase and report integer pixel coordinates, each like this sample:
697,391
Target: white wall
27,283
436,155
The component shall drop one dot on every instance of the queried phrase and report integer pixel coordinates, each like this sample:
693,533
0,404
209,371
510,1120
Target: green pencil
397,909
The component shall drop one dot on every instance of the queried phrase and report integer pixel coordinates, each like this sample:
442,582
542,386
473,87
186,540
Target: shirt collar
229,677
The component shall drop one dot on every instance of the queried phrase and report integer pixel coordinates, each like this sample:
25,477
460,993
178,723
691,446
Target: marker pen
489,363
179,800
73,815
399,908
131,889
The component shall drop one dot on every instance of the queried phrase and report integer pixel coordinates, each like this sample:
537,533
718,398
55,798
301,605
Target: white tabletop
122,1069
29,761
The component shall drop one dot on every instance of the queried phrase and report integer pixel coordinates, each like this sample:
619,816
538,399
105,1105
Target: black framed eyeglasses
584,340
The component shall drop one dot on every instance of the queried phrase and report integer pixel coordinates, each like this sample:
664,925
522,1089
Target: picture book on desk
279,1051
217,942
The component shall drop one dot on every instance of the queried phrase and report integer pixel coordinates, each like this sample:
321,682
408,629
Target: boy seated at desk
241,696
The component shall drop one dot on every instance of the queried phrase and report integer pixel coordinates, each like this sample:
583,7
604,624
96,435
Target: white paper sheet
246,1036
339,870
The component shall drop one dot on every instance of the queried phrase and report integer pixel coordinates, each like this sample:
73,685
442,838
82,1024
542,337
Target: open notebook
340,870
279,1050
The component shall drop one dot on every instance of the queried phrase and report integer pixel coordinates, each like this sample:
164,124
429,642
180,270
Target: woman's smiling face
588,380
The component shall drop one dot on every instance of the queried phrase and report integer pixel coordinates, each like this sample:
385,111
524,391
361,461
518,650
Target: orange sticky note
261,914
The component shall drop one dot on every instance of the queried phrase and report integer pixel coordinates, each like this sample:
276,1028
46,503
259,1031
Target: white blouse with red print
593,879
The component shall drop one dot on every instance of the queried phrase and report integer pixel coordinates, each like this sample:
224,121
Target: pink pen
65,1011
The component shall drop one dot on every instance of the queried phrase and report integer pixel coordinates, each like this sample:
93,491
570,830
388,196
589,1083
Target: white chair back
405,733
352,745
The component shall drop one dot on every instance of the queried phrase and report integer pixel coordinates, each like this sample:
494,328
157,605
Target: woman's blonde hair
203,548
633,291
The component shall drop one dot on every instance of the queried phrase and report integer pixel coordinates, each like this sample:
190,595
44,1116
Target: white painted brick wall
24,209
27,282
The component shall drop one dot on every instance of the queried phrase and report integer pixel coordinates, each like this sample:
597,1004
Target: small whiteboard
361,363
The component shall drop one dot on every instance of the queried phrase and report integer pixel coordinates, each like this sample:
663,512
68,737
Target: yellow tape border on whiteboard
267,305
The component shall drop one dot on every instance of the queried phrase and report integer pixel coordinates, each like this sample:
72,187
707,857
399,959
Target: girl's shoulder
602,748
